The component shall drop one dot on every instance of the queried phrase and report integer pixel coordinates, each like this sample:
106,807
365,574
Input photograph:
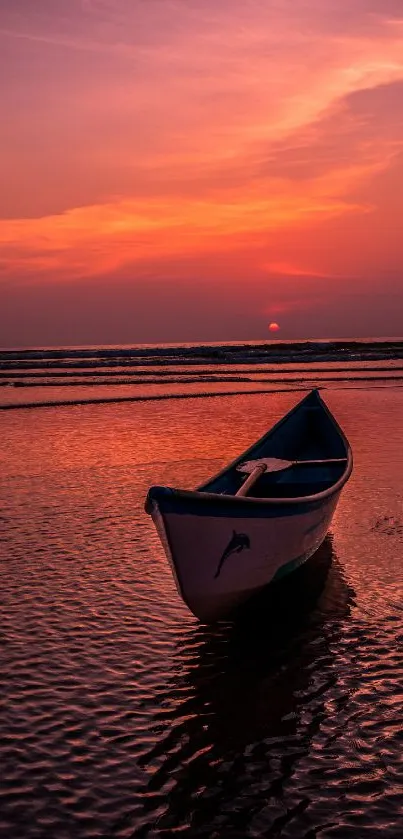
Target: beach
121,715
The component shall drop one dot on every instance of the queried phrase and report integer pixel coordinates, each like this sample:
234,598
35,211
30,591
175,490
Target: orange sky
179,170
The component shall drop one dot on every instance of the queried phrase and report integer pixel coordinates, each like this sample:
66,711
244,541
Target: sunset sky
179,170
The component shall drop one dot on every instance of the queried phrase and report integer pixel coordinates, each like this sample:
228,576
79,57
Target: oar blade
272,464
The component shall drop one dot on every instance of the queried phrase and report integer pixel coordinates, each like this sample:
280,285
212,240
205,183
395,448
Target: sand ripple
121,716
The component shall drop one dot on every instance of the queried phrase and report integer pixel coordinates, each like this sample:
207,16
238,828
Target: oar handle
251,479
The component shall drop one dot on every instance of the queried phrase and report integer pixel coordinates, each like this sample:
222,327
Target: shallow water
111,374
120,714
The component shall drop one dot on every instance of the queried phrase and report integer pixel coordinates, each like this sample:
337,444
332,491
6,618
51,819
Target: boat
260,518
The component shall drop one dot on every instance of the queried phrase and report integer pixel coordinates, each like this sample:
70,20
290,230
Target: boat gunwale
248,500
221,499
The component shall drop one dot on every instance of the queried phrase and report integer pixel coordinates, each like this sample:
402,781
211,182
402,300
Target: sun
274,327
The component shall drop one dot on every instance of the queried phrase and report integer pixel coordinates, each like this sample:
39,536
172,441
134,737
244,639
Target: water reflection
246,701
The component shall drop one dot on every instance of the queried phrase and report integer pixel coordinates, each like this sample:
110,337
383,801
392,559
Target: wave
222,373
153,397
99,400
200,380
95,375
258,352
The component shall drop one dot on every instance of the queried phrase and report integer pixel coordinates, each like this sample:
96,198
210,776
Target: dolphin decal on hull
238,542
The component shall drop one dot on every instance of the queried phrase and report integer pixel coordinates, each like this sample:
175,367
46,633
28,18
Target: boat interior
307,433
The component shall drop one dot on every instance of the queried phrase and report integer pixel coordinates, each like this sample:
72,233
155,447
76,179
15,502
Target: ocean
78,375
120,714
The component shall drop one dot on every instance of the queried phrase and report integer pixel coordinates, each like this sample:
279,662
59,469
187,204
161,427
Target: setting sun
274,327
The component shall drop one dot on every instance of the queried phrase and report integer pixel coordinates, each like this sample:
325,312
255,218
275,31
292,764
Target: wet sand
122,716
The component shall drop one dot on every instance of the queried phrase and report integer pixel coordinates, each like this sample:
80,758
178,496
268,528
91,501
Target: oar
276,464
256,472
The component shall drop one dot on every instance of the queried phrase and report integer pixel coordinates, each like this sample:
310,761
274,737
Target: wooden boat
229,538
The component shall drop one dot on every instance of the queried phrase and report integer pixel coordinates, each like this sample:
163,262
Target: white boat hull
220,562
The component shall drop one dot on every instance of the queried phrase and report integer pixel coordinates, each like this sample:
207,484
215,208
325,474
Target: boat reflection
247,693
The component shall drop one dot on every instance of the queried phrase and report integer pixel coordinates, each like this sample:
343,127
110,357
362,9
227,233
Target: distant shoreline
168,345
